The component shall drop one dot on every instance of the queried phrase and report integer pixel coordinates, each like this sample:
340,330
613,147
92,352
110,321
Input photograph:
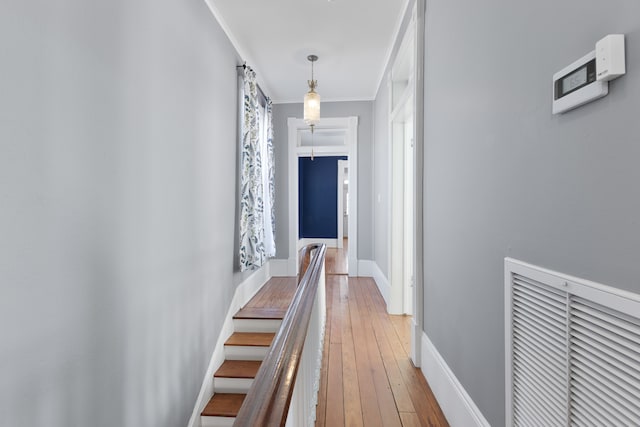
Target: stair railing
284,391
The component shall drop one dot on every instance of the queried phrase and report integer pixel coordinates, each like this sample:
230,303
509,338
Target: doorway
332,137
403,195
402,212
406,153
337,258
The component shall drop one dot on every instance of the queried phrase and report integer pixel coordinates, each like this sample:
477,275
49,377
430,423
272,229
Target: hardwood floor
336,259
367,378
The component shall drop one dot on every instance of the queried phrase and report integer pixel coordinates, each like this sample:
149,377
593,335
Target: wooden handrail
305,260
268,399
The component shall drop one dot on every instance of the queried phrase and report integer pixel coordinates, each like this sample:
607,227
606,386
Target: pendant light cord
312,126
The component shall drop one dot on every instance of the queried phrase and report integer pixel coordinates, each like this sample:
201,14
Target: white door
409,232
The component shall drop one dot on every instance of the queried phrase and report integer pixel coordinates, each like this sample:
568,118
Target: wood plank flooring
367,378
335,260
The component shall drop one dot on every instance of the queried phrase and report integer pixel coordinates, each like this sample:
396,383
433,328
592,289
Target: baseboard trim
458,407
365,268
244,292
370,268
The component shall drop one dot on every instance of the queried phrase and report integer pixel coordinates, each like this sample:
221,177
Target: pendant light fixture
312,102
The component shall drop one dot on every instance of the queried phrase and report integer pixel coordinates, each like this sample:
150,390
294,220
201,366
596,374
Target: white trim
458,407
342,164
245,352
331,243
372,269
346,99
232,385
366,268
218,421
244,292
256,325
350,149
418,135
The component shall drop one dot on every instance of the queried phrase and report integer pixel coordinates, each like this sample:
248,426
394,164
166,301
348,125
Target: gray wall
382,159
364,111
117,164
381,179
505,177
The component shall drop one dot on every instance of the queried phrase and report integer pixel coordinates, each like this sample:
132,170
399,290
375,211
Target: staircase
244,351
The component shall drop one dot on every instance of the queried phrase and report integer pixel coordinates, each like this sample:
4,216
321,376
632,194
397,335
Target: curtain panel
257,178
270,193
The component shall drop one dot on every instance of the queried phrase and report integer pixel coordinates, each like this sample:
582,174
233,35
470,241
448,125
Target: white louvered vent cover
572,349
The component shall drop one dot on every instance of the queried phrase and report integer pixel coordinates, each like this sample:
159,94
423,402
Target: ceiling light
312,99
312,102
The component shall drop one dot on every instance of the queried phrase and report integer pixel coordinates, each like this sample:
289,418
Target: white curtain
257,185
269,184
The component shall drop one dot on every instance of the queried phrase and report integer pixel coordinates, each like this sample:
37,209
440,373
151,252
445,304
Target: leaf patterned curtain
257,179
270,181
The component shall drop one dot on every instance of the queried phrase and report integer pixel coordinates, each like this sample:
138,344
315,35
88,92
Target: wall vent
572,350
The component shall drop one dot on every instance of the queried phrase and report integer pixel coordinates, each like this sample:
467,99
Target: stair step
235,376
250,339
224,405
238,369
257,319
248,345
260,313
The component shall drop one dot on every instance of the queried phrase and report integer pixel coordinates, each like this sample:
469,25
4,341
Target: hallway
367,378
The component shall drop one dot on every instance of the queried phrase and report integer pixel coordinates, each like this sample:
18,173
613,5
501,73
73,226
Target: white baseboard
366,267
457,405
244,292
370,268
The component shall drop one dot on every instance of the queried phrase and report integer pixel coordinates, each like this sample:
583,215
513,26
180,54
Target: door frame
349,149
417,27
340,214
418,139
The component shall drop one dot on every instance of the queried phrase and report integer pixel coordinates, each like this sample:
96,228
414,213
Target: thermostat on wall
586,79
576,84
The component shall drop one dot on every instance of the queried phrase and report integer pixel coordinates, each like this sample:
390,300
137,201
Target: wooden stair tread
238,369
224,405
251,339
260,313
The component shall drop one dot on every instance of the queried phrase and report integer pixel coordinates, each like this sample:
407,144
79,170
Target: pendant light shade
311,108
312,99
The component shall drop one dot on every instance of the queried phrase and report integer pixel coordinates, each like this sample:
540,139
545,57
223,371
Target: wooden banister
268,399
305,260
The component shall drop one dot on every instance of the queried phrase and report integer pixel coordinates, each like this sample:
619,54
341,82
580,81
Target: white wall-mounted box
610,59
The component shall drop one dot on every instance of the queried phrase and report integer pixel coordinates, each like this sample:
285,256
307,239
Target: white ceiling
352,38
